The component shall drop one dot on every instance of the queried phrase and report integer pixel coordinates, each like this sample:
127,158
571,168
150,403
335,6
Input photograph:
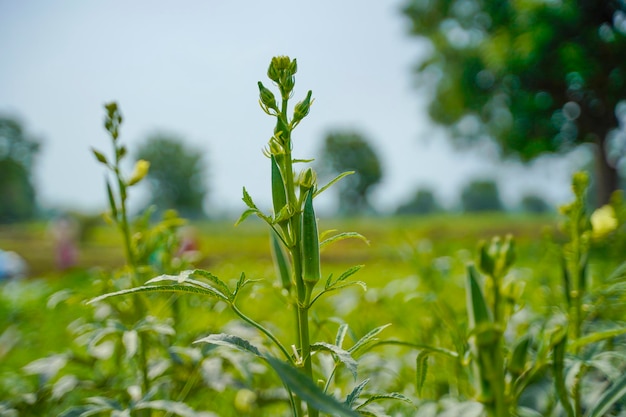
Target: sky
191,68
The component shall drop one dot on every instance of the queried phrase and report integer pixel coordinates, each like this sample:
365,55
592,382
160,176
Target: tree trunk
606,176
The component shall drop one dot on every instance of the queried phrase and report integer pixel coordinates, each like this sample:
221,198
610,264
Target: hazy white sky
191,68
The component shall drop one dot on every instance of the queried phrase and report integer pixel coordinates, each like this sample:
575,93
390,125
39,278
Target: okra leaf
356,392
183,278
341,334
369,337
245,215
229,340
171,407
389,396
618,273
242,282
334,180
308,391
597,337
343,236
342,355
609,398
248,200
345,275
164,288
219,284
421,369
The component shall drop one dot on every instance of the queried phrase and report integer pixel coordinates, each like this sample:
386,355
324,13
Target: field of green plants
288,315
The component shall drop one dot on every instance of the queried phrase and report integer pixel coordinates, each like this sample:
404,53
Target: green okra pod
279,195
311,267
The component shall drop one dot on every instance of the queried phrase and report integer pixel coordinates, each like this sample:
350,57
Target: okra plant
296,248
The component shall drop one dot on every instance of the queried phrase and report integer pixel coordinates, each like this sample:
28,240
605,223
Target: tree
537,76
177,174
532,203
350,151
423,202
481,195
17,151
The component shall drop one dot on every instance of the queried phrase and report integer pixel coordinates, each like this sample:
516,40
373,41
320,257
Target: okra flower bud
267,98
301,110
311,265
277,67
307,180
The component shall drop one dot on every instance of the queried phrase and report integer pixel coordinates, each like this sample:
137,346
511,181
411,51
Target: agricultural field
414,271
286,314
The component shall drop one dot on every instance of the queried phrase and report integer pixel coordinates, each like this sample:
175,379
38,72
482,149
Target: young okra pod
311,267
279,195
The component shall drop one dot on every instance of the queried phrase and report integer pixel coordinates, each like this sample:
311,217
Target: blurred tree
423,202
481,195
17,151
350,151
532,203
177,174
538,76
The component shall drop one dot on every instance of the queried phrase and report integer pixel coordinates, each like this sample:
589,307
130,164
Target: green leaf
421,369
609,398
341,334
334,180
369,337
345,275
356,392
342,355
248,200
229,340
163,288
221,285
245,215
183,278
306,161
389,396
597,337
308,391
172,407
343,236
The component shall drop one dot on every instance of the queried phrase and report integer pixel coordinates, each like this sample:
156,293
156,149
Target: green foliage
532,203
350,151
17,151
177,176
481,195
423,202
538,77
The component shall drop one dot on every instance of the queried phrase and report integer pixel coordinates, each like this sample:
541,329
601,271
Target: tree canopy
538,76
350,151
177,175
17,151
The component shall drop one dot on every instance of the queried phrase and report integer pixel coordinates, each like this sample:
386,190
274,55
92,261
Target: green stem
262,330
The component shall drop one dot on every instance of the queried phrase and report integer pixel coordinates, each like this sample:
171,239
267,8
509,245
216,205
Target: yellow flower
141,170
603,221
